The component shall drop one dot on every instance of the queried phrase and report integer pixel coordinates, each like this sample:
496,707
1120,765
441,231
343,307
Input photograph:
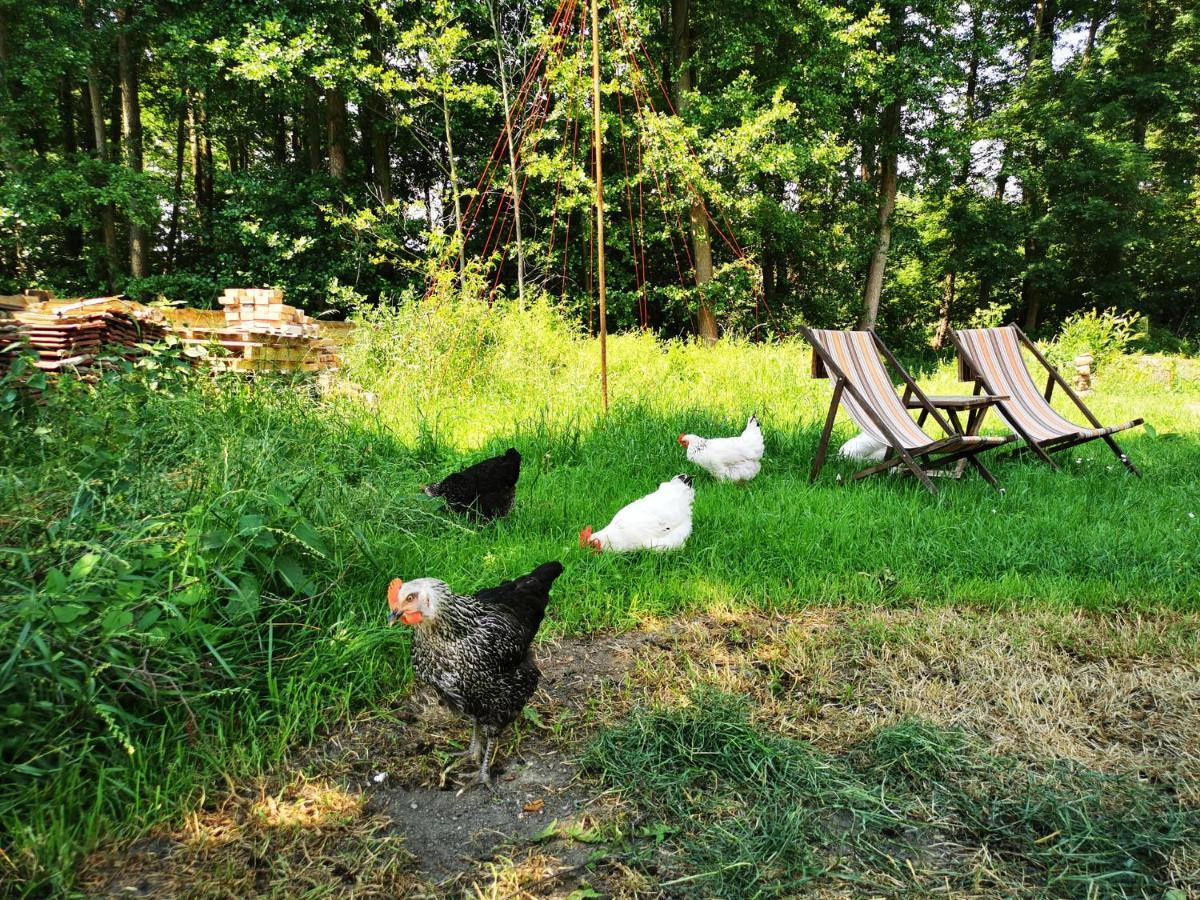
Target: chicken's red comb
394,592
585,535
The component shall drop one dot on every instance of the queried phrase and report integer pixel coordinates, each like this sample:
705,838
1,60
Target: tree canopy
915,163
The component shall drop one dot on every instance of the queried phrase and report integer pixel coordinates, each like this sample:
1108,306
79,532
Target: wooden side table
974,405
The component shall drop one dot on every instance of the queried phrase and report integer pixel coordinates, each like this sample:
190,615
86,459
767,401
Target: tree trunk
279,142
378,119
1041,48
108,215
312,129
1100,8
181,134
681,44
453,167
964,172
887,205
512,152
202,165
943,325
131,137
73,235
335,112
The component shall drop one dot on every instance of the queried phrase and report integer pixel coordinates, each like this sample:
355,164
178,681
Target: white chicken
727,459
658,521
863,447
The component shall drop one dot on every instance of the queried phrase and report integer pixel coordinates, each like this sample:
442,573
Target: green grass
913,808
192,575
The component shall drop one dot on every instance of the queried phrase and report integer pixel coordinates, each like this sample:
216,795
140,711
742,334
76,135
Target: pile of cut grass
911,808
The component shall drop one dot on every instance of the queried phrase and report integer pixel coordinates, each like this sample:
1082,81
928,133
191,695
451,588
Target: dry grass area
1118,695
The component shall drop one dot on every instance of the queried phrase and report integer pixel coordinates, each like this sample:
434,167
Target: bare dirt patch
374,809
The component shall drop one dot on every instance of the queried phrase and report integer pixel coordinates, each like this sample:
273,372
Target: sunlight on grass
194,574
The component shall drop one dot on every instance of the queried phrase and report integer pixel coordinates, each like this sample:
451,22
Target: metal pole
599,200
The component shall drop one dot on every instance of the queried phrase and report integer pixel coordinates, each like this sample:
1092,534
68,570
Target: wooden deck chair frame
968,371
917,460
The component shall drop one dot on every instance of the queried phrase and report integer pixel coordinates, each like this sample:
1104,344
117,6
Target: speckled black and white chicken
474,651
485,490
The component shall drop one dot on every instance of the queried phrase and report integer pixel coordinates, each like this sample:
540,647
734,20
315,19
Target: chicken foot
473,751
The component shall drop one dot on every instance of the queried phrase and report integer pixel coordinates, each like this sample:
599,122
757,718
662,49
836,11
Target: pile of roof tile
80,336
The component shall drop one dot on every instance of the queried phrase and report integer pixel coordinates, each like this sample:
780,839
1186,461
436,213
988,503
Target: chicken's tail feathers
753,422
546,573
686,479
513,453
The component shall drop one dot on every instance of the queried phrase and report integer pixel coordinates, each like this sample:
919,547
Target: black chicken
484,490
475,650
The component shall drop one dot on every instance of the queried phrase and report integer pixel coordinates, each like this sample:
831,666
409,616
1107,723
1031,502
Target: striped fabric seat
856,355
995,354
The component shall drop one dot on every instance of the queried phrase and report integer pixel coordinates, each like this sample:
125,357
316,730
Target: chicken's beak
393,596
683,440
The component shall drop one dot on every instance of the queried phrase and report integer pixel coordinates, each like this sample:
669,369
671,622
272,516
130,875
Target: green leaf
250,524
549,833
148,618
293,573
308,536
55,583
214,539
66,613
117,620
83,566
1150,430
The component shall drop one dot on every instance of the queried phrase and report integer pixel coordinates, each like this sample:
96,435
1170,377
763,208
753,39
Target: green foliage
167,608
1044,185
1105,334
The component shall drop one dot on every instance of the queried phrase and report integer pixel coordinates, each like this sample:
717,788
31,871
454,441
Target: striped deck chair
991,357
863,386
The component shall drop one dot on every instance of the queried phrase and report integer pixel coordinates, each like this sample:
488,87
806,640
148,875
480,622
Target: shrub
1106,335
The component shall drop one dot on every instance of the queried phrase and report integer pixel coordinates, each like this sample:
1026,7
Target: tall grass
192,572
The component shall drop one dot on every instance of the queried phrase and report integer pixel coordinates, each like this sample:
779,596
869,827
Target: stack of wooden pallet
262,333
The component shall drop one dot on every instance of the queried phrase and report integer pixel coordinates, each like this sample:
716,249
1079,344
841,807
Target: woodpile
263,311
262,333
81,336
254,331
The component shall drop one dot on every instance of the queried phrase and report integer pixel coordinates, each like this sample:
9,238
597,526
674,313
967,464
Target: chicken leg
474,749
491,733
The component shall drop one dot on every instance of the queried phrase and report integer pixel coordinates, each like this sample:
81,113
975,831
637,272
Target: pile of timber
262,334
84,335
263,311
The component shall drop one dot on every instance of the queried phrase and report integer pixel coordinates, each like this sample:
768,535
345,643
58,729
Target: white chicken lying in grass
727,459
863,447
658,521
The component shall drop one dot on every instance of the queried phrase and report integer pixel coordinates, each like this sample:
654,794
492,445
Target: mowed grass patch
910,808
